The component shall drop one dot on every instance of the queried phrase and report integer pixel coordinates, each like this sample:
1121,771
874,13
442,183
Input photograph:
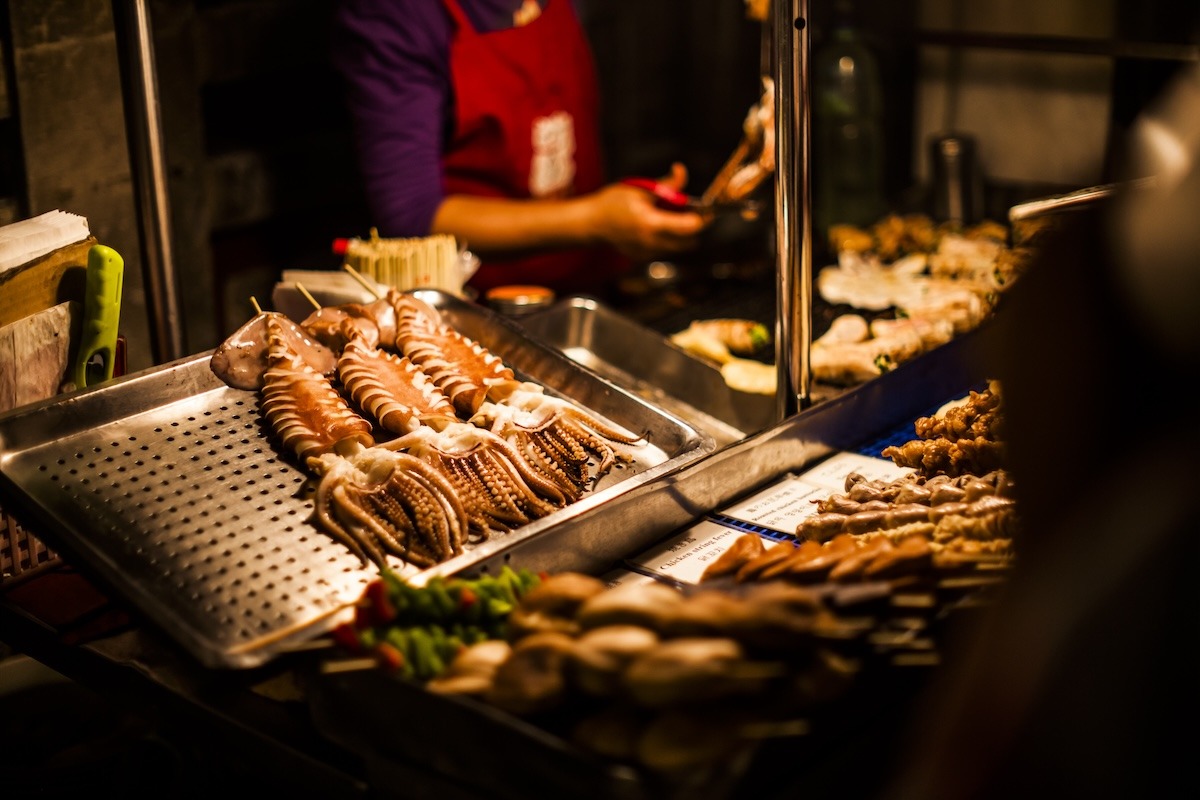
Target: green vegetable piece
398,638
423,606
499,608
529,580
505,585
759,336
443,603
422,653
437,635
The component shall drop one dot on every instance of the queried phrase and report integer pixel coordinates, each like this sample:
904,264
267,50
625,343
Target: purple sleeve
393,58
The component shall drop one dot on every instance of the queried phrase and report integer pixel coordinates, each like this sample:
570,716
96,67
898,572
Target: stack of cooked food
955,511
639,672
900,288
732,346
921,284
420,439
675,679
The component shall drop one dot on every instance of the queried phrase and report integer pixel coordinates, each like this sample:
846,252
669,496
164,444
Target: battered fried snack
707,613
850,238
552,605
999,527
533,678
813,561
689,671
473,670
851,566
898,235
913,554
945,457
645,604
980,415
744,549
761,566
966,495
601,655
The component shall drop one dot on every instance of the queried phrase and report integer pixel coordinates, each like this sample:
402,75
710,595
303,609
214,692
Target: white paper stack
30,239
326,287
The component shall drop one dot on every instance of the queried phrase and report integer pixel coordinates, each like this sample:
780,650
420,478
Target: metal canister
518,300
957,182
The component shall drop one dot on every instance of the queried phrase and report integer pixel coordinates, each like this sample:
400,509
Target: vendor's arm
622,216
394,62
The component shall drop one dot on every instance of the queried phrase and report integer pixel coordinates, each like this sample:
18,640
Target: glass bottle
847,111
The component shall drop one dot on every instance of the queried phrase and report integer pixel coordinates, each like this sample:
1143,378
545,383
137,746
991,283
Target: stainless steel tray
650,366
167,486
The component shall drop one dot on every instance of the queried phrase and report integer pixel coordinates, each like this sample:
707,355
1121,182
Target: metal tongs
751,163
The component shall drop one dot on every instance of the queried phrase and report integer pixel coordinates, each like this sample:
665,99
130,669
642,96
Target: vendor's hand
628,218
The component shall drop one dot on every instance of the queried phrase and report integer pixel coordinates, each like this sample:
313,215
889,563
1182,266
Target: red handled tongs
666,196
675,200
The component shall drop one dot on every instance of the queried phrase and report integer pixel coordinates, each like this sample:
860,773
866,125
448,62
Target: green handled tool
101,314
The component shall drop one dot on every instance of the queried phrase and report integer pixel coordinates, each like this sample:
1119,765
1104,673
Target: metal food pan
649,365
167,486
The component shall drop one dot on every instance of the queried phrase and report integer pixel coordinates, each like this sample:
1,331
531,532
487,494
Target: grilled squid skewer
458,365
378,502
392,389
242,360
304,409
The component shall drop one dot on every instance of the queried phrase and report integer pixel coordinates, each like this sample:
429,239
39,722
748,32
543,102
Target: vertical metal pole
135,49
793,206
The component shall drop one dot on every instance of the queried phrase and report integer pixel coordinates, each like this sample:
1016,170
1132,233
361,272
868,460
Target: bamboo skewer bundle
428,262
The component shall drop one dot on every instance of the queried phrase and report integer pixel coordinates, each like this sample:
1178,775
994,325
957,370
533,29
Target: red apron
526,126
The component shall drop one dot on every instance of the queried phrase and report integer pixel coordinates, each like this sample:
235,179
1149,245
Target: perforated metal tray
168,487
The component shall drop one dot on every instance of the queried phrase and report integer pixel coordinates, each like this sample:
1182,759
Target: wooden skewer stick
257,307
300,288
309,645
361,280
277,637
775,729
349,665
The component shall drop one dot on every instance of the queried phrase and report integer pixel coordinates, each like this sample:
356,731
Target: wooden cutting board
54,278
35,353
